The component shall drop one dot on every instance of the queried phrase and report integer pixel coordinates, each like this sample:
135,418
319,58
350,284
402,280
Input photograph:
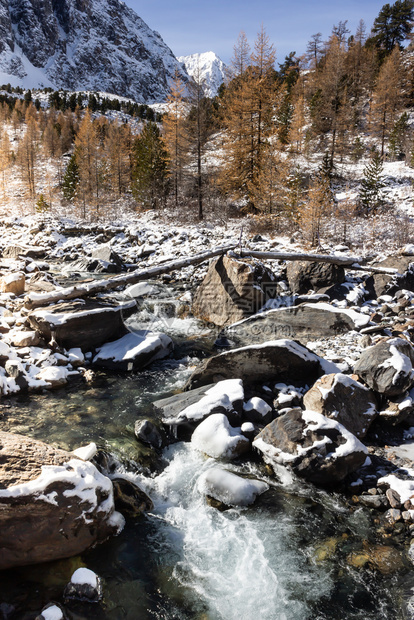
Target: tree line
348,97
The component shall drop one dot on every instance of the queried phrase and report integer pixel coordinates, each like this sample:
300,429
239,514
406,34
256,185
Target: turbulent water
286,558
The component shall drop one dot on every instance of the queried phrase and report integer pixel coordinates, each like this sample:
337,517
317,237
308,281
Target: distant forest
349,98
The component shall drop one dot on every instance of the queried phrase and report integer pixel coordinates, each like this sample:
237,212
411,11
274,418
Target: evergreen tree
399,137
71,180
392,26
150,171
41,205
370,198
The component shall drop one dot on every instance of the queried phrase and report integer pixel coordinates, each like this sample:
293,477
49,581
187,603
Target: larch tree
27,154
248,121
387,97
86,152
118,156
175,135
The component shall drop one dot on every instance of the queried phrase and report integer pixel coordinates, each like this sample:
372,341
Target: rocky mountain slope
84,45
207,68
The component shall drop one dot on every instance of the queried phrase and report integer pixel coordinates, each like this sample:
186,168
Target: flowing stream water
285,558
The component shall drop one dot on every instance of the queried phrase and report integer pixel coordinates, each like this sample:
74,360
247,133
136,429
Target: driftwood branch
352,262
37,300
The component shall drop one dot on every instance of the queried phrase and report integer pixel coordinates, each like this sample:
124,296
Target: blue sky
189,26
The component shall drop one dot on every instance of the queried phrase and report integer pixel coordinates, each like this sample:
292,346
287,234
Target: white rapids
239,564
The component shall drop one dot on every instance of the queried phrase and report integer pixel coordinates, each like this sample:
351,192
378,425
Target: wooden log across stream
37,300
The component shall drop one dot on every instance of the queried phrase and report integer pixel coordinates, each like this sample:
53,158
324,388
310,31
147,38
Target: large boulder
31,251
379,284
305,275
230,489
85,324
387,367
317,448
104,253
232,290
304,323
216,438
189,409
276,360
133,351
52,505
342,398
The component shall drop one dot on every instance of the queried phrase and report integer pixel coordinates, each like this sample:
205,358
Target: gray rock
387,367
315,447
134,351
85,324
373,501
108,255
189,409
347,401
15,369
304,322
304,275
148,433
232,290
380,284
278,360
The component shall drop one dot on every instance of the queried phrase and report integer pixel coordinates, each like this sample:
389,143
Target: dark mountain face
85,45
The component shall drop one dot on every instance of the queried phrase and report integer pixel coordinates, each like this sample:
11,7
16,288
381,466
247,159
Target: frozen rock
133,351
190,408
257,410
315,447
85,586
13,283
52,611
55,376
276,360
148,433
305,322
79,323
230,489
342,398
305,275
24,339
216,438
387,367
52,505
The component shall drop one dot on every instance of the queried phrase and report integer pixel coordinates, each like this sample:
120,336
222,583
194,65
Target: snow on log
352,262
36,300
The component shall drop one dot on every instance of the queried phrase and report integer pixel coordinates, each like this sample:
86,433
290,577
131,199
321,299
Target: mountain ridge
84,45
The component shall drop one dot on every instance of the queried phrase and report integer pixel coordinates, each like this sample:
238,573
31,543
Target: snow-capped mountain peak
84,45
206,68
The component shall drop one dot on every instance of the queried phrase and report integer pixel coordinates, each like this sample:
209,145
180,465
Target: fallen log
37,300
317,258
352,262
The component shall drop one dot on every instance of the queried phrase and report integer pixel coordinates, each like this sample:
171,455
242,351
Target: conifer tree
370,199
71,179
88,160
150,171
